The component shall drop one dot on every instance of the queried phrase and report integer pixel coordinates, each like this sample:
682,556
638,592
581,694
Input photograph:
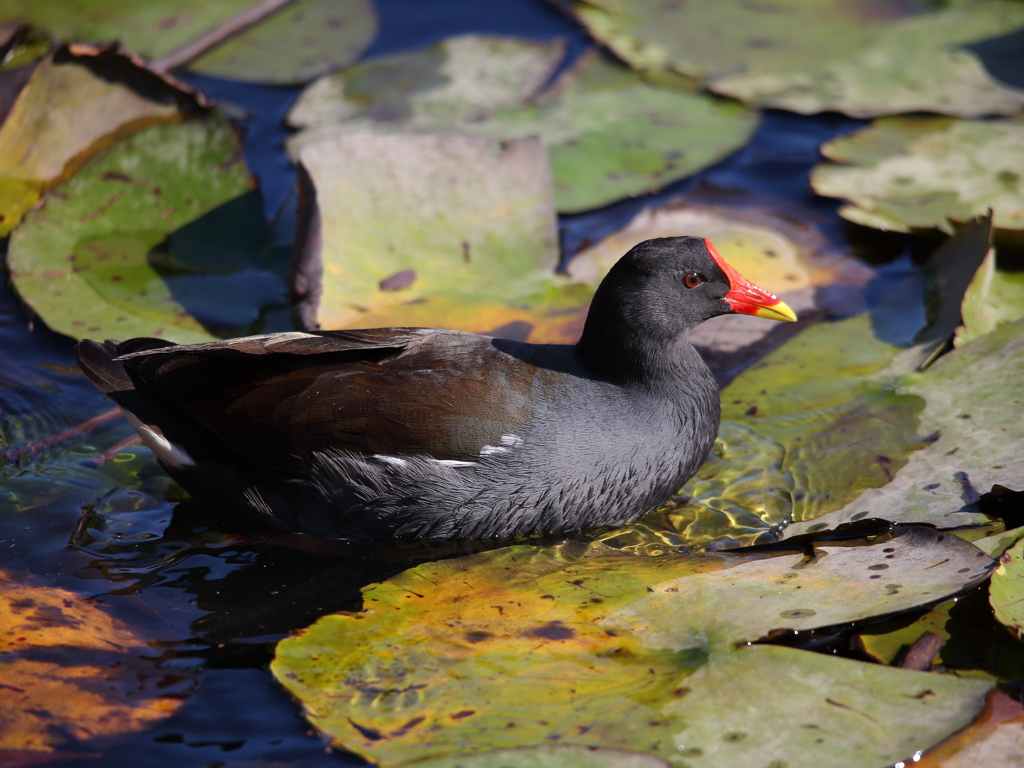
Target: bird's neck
612,352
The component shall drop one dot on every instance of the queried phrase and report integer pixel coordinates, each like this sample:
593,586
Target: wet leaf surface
1007,590
906,173
471,219
295,45
71,673
996,737
973,427
610,134
152,28
548,757
98,260
591,647
863,59
76,103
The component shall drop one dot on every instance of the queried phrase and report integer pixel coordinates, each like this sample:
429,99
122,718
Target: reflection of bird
417,433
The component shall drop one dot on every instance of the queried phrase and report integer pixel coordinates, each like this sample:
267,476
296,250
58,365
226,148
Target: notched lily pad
300,42
72,673
581,645
907,173
78,101
609,133
88,260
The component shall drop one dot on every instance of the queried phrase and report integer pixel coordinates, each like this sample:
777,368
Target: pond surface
118,532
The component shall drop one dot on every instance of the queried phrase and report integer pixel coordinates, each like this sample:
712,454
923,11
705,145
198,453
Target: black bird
415,433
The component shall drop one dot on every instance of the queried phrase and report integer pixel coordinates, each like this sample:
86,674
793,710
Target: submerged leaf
85,261
808,56
76,103
70,672
610,134
527,646
973,417
905,173
303,41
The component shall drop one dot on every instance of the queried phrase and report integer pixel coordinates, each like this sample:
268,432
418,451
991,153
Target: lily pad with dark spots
1007,590
78,101
111,253
907,173
303,41
974,423
584,646
610,134
862,58
151,29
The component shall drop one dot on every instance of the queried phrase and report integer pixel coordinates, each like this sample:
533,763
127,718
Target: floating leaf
809,56
77,102
995,297
548,756
447,231
303,41
996,737
972,418
152,28
460,80
70,672
526,646
905,173
1007,589
610,134
914,65
84,261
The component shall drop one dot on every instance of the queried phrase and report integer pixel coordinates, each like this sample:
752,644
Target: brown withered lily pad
71,675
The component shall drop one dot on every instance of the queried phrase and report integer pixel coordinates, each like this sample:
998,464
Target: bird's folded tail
98,361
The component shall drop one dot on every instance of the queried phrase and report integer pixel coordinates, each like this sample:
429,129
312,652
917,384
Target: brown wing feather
397,392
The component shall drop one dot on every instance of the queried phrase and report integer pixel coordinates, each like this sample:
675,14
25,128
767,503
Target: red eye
692,280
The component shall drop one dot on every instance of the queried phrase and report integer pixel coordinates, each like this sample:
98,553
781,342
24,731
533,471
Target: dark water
215,600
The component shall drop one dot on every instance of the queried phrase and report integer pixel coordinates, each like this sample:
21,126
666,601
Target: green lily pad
1006,592
303,41
584,646
548,756
610,134
76,103
905,173
446,231
460,80
390,245
972,416
85,261
152,28
994,297
808,56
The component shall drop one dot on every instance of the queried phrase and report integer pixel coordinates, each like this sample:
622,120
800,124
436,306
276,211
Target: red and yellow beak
745,298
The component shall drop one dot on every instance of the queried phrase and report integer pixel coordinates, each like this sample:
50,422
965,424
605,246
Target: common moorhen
422,433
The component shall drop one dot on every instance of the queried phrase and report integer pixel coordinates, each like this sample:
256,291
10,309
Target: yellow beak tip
780,311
